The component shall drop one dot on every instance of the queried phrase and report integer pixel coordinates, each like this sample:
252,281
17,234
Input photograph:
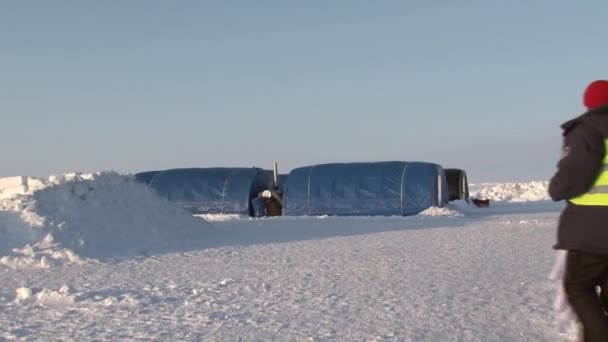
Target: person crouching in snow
582,180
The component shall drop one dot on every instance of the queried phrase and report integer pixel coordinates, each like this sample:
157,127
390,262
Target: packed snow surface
129,266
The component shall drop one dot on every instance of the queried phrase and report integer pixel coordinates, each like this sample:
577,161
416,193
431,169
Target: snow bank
512,192
10,186
445,211
222,217
68,217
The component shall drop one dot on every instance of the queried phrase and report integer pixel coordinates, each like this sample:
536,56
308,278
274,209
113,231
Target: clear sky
143,85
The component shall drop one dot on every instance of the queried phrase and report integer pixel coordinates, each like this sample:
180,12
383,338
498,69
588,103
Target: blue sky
143,85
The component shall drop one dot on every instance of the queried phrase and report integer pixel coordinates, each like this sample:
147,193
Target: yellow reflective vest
598,194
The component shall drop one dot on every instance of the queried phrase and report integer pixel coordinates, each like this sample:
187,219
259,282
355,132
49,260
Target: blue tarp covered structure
145,177
373,188
282,182
210,190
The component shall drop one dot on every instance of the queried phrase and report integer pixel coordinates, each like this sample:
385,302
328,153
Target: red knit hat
596,94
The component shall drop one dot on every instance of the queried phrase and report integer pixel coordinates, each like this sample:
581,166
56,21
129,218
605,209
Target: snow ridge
512,192
66,217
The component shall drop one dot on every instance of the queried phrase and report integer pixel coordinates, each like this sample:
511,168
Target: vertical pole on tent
275,175
439,191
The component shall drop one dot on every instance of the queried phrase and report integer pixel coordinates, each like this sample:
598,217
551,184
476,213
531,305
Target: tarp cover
374,188
211,190
145,177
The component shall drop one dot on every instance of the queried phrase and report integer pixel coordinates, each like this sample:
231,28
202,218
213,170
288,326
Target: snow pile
436,211
11,186
46,297
512,192
222,217
42,254
68,217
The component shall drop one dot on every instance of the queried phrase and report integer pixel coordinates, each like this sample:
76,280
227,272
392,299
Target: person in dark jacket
582,180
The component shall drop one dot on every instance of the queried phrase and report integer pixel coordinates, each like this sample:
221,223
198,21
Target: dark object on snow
258,205
458,185
273,202
274,197
481,202
273,208
372,188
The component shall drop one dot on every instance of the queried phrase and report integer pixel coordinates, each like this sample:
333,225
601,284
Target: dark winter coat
583,228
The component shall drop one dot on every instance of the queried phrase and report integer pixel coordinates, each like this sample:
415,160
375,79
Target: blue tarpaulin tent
374,188
282,182
210,190
145,177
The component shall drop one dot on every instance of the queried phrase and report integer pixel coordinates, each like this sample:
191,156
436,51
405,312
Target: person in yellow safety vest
582,180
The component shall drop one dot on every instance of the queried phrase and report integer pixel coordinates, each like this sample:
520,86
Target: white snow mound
512,192
45,222
436,211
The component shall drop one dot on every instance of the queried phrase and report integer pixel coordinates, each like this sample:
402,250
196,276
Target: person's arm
580,165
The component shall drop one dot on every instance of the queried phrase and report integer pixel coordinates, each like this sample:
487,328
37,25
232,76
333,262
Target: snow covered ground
99,257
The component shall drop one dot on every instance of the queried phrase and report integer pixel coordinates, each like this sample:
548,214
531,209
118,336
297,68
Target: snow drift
69,216
512,192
